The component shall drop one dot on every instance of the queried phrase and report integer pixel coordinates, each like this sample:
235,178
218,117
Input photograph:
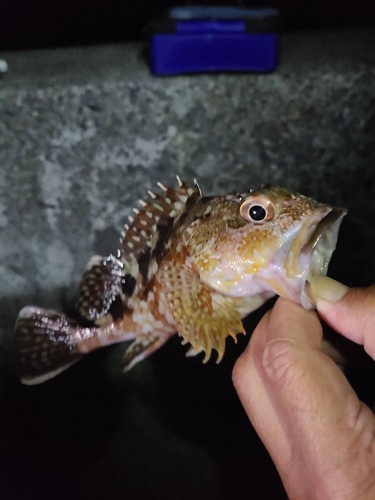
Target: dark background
25,24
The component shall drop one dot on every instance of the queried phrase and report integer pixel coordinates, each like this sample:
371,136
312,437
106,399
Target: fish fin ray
148,236
46,343
100,285
200,321
141,348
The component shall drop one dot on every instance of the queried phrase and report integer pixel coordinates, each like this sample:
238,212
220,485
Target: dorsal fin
100,284
147,237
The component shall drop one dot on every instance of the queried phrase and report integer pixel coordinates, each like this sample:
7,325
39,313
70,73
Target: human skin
319,435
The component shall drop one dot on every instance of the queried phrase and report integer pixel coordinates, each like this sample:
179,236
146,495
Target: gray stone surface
83,134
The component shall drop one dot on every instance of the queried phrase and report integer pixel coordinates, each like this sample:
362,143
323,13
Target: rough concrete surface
84,132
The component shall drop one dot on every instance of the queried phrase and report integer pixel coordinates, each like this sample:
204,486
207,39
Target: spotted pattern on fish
147,238
191,302
99,287
187,264
38,340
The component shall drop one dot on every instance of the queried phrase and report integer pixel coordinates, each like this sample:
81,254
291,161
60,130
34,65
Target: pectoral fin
204,318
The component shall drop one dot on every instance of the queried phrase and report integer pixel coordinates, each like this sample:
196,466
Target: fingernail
327,289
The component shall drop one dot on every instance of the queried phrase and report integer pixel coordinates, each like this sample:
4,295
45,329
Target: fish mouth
323,240
317,252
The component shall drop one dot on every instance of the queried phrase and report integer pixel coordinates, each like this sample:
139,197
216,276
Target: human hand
319,435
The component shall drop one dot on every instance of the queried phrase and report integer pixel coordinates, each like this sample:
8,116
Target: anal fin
141,348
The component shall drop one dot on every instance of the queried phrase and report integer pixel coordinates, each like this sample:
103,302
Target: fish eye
257,213
257,209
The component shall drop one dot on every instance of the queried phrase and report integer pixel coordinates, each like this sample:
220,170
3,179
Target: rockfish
188,264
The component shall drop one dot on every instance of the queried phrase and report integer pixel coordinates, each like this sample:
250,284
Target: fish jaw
307,254
316,254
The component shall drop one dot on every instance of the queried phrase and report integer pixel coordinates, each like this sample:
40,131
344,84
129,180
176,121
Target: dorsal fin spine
148,234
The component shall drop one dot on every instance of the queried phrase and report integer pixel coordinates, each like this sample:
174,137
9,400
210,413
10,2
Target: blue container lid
211,12
209,19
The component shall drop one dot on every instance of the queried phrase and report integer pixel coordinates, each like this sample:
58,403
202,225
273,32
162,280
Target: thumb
349,311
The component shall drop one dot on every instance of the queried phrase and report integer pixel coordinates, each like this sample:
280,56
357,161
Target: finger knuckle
279,358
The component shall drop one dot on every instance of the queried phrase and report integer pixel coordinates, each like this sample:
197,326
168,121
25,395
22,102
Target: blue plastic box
202,39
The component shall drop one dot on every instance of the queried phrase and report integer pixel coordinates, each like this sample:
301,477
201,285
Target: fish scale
187,264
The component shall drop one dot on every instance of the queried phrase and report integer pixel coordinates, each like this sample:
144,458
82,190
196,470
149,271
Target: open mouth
317,252
322,242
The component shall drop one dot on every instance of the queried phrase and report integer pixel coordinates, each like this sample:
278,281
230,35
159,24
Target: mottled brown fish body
188,264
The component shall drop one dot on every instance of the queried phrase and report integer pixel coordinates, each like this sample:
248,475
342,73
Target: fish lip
323,227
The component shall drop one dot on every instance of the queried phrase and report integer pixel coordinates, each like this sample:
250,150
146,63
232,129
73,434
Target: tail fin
46,343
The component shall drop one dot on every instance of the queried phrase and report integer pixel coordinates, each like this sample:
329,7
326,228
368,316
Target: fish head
268,241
